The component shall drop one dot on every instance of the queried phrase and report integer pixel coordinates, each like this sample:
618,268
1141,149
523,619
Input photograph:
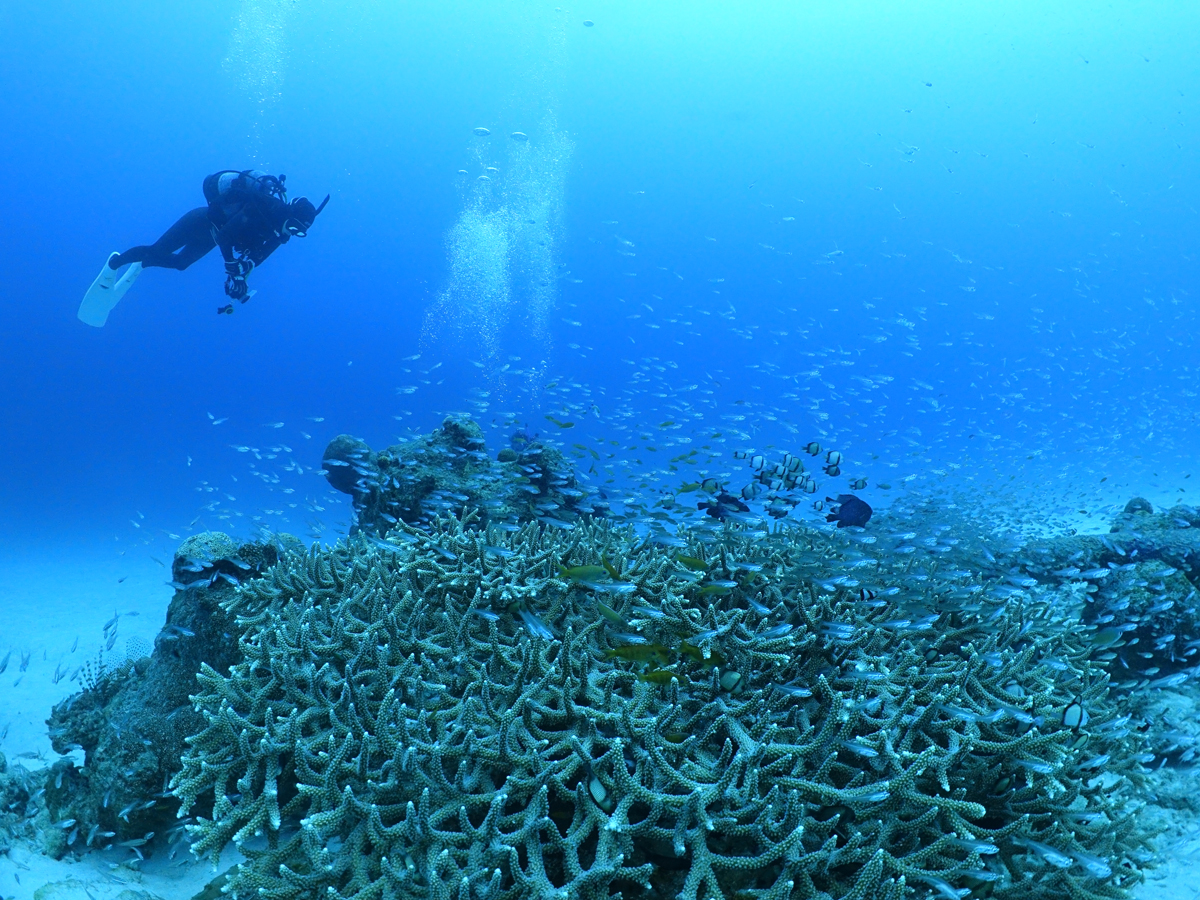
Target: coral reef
492,689
474,712
1138,594
132,718
449,471
18,807
133,714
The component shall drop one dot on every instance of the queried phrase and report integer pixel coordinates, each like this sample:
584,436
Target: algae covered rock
450,472
18,805
1138,506
134,715
207,545
467,712
1140,586
349,467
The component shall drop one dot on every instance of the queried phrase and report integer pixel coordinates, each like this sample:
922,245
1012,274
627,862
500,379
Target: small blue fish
983,848
667,540
779,631
792,690
536,626
860,749
1036,765
382,544
1045,851
943,887
1093,865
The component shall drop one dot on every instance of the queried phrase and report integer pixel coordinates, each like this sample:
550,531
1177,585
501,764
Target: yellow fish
641,653
713,659
691,562
581,573
611,614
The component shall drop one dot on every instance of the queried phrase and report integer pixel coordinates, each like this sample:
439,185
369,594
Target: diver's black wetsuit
248,216
243,217
191,236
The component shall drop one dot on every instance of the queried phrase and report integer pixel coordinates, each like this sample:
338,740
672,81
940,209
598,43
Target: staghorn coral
456,715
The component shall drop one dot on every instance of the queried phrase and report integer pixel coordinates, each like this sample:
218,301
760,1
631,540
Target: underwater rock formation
449,472
132,718
1137,591
482,713
17,807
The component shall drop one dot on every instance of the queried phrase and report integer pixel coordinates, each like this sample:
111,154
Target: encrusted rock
134,715
449,472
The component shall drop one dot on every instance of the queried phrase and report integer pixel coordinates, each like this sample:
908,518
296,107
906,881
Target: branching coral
467,713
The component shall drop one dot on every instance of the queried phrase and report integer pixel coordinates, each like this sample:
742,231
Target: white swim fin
106,292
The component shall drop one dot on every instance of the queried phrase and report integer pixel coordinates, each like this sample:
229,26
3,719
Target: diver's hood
303,210
302,213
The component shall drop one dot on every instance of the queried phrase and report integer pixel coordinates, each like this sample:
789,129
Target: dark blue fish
723,505
849,511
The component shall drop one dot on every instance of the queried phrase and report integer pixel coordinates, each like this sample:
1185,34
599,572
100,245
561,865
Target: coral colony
464,700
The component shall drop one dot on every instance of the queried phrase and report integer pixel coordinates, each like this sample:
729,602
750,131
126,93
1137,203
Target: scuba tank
220,185
229,188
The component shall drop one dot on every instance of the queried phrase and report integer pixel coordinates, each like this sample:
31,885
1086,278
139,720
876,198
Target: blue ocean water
955,241
938,236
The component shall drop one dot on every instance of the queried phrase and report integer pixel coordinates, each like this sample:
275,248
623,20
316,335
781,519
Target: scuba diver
248,216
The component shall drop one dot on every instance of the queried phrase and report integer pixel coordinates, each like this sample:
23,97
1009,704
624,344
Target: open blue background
1012,189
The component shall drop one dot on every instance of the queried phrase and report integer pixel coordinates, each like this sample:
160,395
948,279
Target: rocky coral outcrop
133,717
1137,590
450,472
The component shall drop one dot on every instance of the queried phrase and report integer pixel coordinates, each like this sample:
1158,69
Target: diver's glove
239,268
235,288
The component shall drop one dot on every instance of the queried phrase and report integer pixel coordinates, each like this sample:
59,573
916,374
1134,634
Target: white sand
48,598
24,873
1177,876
